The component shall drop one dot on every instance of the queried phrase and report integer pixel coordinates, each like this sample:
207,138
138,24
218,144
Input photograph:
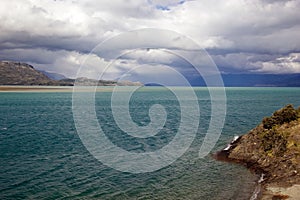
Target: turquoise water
42,156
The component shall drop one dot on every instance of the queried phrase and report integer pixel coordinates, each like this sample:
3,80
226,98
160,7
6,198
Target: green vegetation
274,140
279,117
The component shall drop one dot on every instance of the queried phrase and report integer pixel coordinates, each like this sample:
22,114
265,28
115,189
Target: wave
235,138
257,192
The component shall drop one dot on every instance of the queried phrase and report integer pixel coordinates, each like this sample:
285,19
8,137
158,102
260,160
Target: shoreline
272,191
19,88
265,189
42,88
222,156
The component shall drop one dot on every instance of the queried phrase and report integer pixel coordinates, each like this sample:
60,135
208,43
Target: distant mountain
53,76
16,73
250,80
254,80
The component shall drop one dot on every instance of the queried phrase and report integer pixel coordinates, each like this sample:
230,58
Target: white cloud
151,56
44,18
286,64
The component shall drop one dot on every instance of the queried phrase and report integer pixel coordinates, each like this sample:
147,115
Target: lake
43,157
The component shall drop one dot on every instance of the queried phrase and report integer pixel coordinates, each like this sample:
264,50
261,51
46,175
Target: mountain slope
16,73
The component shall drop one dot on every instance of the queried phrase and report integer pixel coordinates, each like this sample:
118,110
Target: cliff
271,148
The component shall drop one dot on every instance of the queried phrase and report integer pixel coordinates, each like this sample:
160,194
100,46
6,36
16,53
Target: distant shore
17,88
42,88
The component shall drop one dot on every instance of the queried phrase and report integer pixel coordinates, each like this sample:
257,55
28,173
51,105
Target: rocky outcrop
272,148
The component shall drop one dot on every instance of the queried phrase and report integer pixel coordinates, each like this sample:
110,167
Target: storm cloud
242,36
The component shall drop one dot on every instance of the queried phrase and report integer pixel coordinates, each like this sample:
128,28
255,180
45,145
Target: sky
241,36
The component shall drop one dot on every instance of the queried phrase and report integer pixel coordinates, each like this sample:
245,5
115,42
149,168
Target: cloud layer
258,36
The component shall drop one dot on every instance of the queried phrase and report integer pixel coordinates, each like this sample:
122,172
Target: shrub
268,122
284,115
274,142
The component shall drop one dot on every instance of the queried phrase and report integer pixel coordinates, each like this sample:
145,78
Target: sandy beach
35,89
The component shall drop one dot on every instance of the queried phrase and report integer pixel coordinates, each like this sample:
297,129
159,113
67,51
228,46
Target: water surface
43,157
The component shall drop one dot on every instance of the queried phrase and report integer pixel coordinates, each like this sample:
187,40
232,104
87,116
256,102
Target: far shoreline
34,88
53,88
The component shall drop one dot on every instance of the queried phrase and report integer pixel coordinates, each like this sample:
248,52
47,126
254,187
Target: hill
16,73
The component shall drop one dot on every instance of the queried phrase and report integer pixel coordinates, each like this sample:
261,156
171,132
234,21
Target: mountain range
253,80
16,73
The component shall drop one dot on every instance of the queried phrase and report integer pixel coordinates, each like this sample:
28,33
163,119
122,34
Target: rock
271,148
